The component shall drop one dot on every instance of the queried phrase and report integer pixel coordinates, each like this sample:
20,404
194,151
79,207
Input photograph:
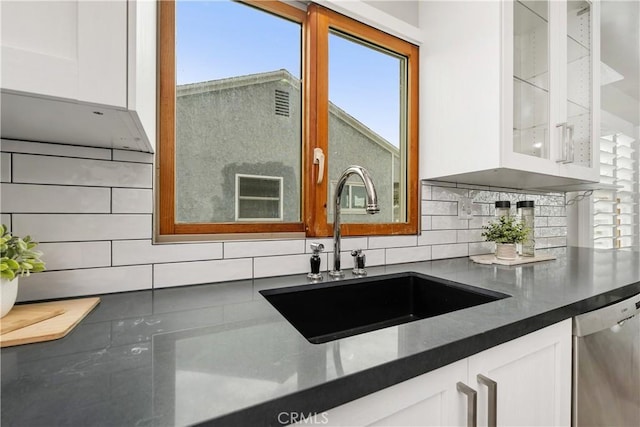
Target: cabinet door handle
492,408
563,143
472,403
570,145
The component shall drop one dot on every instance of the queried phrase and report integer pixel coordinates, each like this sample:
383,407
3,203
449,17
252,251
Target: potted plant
18,258
506,232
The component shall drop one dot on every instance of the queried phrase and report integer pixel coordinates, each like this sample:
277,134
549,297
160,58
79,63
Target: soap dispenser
315,262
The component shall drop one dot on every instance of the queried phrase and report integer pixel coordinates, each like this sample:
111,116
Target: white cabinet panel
80,72
102,52
533,375
428,400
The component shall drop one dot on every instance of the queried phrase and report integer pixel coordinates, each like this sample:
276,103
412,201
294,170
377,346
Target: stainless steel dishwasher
606,366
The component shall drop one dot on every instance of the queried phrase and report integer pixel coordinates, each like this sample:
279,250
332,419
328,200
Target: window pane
259,187
367,115
238,112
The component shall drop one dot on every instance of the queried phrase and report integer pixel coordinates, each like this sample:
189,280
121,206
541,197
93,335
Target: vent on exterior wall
282,103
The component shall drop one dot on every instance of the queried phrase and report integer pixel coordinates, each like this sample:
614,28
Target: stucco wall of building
231,127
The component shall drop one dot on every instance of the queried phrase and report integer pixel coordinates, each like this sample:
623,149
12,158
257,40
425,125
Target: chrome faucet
372,208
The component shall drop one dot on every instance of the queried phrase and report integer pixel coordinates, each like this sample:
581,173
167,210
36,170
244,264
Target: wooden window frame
316,23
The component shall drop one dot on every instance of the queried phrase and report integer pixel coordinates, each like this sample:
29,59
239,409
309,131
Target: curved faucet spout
372,208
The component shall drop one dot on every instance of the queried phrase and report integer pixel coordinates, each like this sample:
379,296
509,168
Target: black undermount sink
327,311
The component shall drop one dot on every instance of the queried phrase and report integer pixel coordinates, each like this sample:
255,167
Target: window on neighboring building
249,89
258,198
353,200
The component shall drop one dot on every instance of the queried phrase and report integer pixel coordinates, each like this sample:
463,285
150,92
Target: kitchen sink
327,311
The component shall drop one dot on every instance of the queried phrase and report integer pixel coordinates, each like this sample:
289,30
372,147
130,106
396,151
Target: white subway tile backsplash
426,192
552,211
132,156
128,252
557,221
543,221
448,223
6,220
92,210
480,248
479,221
61,170
132,200
286,264
415,254
447,193
392,241
555,242
431,207
5,167
467,236
54,149
550,232
82,227
484,196
425,223
437,237
346,244
29,198
89,281
258,248
482,209
372,257
189,273
71,255
449,251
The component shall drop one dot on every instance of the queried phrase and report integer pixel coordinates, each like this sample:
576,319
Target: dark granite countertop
220,353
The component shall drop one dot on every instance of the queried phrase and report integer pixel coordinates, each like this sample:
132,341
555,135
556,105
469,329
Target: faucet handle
359,259
316,247
315,262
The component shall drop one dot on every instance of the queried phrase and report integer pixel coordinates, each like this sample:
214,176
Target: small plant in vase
18,258
506,232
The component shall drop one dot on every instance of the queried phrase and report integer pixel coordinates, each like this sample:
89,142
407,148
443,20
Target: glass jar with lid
526,214
503,208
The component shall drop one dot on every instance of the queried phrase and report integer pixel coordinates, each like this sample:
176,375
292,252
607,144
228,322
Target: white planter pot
506,251
8,294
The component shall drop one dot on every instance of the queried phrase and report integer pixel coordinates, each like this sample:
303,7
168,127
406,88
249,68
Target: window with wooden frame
253,89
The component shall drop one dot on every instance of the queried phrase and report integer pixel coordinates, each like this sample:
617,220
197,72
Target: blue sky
220,39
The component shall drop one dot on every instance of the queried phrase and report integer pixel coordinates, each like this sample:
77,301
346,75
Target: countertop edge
342,390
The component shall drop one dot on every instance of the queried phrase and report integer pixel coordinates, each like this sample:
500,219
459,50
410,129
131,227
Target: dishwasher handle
606,317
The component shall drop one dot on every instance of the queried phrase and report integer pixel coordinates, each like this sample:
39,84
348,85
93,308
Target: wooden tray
491,259
25,315
53,328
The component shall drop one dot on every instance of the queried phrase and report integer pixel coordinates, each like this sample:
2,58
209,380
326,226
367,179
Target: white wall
91,209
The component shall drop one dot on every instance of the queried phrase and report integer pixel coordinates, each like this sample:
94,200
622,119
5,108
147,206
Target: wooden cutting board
25,315
52,328
491,259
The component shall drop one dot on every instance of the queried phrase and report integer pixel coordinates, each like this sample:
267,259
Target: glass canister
527,216
503,208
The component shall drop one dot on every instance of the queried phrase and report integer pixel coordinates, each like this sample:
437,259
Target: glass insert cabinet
528,93
552,107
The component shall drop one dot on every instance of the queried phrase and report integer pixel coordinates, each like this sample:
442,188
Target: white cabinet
510,92
532,373
533,376
80,72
